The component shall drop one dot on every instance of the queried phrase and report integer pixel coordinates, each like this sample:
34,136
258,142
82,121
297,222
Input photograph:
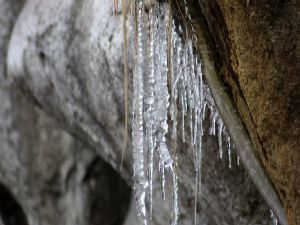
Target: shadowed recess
11,211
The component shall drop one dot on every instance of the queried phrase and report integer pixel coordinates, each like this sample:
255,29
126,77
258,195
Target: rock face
47,176
63,117
257,42
58,180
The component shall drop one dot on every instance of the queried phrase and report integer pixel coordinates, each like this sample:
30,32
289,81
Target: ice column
140,181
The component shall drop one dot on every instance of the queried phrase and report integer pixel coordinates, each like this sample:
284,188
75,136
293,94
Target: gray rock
46,175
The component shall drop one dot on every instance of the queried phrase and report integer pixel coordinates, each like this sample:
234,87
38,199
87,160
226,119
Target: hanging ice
220,132
168,79
140,182
229,151
149,103
238,160
175,195
162,94
273,217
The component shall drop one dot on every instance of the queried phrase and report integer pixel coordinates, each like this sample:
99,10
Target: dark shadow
11,211
109,195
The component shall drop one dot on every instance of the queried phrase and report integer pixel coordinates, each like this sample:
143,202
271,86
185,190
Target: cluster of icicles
167,81
273,218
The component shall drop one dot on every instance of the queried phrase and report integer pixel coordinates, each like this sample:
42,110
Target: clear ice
140,181
170,96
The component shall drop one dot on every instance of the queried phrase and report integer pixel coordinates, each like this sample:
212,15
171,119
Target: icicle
271,214
162,95
185,90
213,117
174,92
196,100
183,98
238,160
176,46
229,151
149,104
140,181
195,131
191,126
220,132
199,111
173,112
178,86
174,119
201,106
273,217
165,162
182,116
189,85
162,178
152,102
175,196
204,110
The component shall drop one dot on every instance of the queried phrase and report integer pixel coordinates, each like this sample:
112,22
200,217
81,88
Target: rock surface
47,176
64,114
258,43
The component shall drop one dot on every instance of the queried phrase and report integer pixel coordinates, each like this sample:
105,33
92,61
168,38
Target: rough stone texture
58,179
65,56
46,176
258,43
